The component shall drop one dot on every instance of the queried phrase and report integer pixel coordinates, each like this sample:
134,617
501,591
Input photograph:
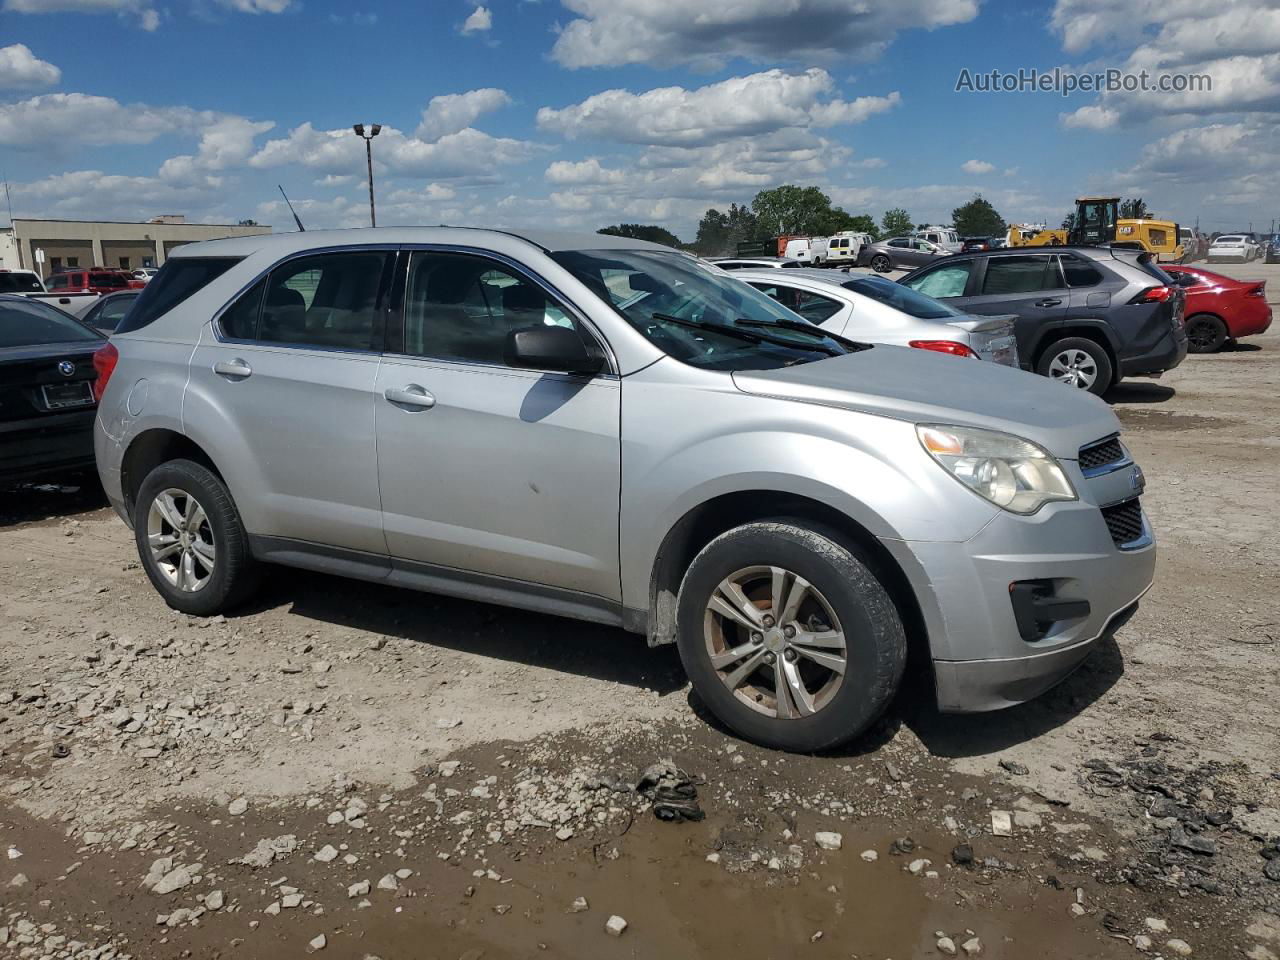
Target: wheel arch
148,450
709,519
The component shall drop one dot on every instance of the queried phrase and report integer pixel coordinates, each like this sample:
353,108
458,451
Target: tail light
104,361
1258,290
953,347
1154,295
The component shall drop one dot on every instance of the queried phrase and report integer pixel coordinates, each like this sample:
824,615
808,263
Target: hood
926,387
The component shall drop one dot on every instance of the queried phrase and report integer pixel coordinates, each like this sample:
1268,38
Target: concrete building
115,244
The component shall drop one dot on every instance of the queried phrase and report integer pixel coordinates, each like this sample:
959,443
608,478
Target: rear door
285,377
1030,286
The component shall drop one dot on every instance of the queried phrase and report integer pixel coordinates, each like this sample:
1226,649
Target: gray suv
614,431
1087,316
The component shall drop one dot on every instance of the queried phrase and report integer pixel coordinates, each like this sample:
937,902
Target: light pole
374,130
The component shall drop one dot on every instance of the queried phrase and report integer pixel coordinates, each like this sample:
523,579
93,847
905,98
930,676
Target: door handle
235,369
1049,302
411,396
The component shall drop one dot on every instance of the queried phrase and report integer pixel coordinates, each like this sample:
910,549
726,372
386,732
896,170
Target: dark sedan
46,390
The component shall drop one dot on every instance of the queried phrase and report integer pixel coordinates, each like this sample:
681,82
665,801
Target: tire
840,595
880,263
1205,333
1078,362
200,566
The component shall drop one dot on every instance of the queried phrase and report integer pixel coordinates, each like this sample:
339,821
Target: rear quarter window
178,280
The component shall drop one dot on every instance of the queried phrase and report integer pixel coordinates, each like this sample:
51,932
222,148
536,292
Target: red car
95,280
1219,308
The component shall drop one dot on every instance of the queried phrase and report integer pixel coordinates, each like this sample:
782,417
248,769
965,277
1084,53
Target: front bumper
981,661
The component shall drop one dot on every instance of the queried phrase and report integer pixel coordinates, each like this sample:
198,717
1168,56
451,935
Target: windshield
699,314
901,298
19,282
26,323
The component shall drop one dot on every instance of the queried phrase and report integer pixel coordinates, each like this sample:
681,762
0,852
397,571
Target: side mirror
550,347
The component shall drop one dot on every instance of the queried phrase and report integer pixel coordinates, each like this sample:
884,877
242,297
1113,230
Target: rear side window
328,300
178,280
1012,275
19,283
1079,273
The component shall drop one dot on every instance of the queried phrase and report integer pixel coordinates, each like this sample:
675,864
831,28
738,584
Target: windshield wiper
802,326
733,331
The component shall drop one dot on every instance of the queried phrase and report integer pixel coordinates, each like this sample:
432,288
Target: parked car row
610,430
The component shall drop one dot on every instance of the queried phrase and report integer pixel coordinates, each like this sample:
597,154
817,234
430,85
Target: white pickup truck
26,283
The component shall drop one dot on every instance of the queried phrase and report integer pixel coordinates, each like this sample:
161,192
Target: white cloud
453,112
479,21
148,18
258,6
977,167
226,142
738,107
333,180
20,69
589,171
1233,42
95,195
58,122
608,33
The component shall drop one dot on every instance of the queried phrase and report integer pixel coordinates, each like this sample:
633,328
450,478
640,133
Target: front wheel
191,541
1205,333
788,637
1077,362
880,263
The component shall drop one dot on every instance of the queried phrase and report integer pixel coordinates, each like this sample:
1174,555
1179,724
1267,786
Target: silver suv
614,431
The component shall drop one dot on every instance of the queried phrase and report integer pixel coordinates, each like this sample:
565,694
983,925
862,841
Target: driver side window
944,282
461,307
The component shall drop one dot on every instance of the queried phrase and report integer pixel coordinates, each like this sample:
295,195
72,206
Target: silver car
613,431
878,310
900,253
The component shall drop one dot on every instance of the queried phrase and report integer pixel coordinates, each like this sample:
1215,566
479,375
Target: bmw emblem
1137,480
66,368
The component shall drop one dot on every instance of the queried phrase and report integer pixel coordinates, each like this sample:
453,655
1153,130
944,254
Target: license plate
60,396
1005,351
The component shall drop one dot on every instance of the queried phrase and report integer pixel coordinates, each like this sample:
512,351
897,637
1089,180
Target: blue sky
587,112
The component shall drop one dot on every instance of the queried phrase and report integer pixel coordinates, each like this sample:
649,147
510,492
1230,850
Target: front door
485,468
286,380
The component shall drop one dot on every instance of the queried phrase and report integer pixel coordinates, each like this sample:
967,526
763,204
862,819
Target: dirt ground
362,771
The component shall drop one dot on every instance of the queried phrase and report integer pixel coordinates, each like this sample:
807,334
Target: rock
1179,947
335,818
579,905
972,948
1142,942
1024,818
1257,952
318,942
1156,925
917,866
290,901
175,879
449,767
828,840
1001,823
564,833
326,854
947,946
1272,870
962,855
214,900
14,853
502,909
1178,837
404,873
448,723
238,806
388,882
1015,768
19,880
1077,910
870,856
358,889
713,858
615,926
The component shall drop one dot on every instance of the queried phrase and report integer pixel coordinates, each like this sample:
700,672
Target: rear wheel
191,541
1077,362
788,637
1205,333
880,263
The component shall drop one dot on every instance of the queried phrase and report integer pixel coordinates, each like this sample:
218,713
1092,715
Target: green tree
1069,221
978,218
1134,208
720,232
792,209
896,223
643,231
863,223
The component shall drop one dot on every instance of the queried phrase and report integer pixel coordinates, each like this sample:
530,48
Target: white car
874,309
144,273
1233,248
754,263
944,237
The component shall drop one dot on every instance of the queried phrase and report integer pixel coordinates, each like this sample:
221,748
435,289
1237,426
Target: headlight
1012,473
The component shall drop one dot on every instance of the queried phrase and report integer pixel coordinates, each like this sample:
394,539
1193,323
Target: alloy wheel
1203,334
775,642
1075,368
180,538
